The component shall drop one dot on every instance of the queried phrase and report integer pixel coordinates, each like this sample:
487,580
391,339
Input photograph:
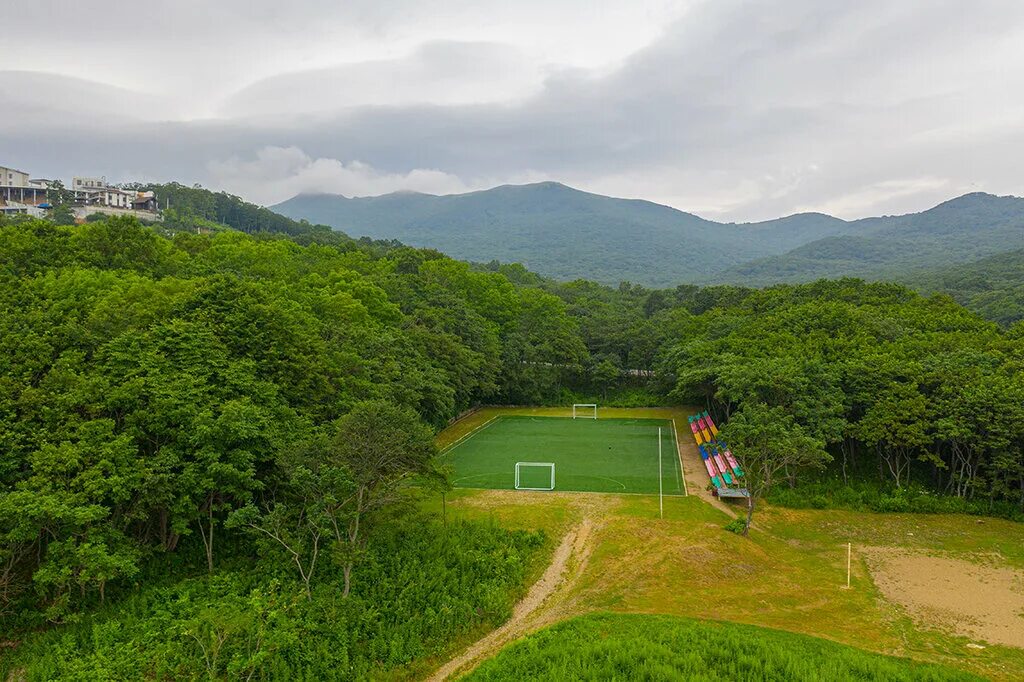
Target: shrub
882,498
736,526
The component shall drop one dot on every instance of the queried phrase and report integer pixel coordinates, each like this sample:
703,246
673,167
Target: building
96,192
17,187
12,177
145,201
88,184
19,193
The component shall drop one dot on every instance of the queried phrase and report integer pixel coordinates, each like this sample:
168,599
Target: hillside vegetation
215,445
187,404
195,207
992,287
566,234
868,375
961,230
420,588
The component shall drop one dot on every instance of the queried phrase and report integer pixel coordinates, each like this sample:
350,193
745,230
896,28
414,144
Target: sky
732,110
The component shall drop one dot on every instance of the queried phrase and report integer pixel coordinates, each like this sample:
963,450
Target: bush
737,526
876,497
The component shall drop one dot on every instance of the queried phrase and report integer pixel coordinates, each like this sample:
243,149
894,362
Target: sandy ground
534,611
983,601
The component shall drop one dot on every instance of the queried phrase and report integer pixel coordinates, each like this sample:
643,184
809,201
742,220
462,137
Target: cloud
42,100
438,73
888,192
736,110
277,173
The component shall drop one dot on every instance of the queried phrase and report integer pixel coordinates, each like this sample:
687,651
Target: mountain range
566,233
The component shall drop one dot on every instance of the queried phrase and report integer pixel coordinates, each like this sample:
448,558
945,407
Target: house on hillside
18,190
97,192
21,194
12,177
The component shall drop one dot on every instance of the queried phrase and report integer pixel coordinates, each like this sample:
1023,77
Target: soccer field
590,455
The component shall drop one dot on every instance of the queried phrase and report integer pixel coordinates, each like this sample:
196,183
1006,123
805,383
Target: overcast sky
732,110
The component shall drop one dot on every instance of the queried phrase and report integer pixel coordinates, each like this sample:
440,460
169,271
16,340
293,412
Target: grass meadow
789,575
645,647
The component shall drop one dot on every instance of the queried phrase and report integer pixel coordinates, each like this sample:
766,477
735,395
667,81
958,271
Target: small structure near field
723,469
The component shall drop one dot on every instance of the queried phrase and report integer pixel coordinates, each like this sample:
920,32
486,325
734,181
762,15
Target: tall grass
643,647
421,587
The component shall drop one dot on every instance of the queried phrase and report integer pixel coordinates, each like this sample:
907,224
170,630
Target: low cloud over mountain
737,110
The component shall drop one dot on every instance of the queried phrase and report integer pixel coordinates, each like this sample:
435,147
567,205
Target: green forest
876,383
218,447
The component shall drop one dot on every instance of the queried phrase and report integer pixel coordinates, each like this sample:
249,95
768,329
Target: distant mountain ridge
566,233
961,230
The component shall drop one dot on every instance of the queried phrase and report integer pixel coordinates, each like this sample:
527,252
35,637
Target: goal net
584,411
535,476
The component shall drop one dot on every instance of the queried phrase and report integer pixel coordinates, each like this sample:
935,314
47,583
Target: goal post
535,476
584,410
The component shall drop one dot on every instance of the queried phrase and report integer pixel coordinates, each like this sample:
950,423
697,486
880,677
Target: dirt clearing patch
977,599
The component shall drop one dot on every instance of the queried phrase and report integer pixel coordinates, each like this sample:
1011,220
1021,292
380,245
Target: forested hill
993,286
961,230
200,207
566,234
562,232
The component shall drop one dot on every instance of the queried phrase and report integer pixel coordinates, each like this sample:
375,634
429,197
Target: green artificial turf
602,455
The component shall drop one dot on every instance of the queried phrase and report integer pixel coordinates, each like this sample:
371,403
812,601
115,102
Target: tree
382,445
335,484
62,214
605,372
60,200
308,508
767,441
58,195
896,426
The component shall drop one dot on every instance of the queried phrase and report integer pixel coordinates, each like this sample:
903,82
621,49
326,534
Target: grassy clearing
605,455
788,575
630,647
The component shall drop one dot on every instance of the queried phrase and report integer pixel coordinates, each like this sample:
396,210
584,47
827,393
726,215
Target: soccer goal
535,476
584,410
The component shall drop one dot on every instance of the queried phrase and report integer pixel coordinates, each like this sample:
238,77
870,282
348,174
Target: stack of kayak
724,470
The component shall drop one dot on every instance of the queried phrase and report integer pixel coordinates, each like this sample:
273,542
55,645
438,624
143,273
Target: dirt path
566,566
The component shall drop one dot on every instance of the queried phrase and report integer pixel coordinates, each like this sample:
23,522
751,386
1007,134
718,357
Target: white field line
675,471
679,454
458,442
570,492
